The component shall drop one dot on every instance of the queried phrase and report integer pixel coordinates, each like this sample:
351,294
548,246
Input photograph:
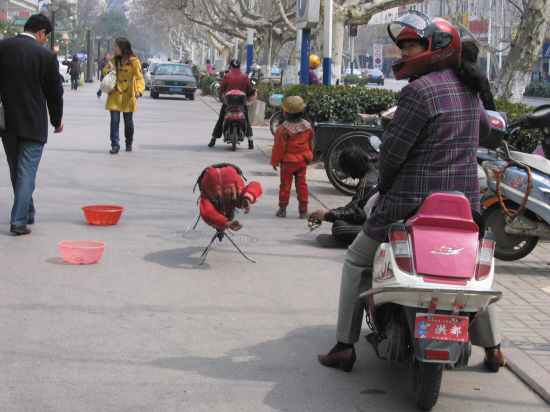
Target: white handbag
109,82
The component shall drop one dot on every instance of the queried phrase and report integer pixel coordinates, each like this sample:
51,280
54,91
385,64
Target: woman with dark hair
430,145
74,70
348,220
123,98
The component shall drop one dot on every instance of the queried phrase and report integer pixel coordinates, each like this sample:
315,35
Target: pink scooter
430,282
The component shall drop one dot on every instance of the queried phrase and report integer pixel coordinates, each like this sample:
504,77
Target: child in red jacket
222,191
293,150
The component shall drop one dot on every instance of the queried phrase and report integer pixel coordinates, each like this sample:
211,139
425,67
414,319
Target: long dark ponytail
471,75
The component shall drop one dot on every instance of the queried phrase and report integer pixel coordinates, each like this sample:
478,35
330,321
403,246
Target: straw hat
293,104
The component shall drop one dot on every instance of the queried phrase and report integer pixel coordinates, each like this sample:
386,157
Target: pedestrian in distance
30,89
209,67
293,150
430,145
314,62
129,87
74,70
104,62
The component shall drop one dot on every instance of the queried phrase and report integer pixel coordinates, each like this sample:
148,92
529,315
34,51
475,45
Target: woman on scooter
430,145
235,79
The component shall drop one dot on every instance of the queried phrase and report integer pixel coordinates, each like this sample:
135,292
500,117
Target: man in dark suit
30,86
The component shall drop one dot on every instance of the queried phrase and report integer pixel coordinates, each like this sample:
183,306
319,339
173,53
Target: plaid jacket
430,145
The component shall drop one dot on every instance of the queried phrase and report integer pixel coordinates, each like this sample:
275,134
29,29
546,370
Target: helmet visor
414,20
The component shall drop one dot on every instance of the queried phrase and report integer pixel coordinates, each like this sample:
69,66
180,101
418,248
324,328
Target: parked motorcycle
430,282
516,204
234,122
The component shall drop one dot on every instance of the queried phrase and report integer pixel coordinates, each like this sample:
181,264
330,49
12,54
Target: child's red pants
298,170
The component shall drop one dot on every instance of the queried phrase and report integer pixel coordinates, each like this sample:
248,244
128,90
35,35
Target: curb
525,368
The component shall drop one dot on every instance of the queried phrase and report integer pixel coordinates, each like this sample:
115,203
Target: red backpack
222,184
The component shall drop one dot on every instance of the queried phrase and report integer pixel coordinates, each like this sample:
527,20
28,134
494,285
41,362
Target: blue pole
304,62
249,50
327,75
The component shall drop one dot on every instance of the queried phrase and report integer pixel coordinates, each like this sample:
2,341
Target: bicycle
331,139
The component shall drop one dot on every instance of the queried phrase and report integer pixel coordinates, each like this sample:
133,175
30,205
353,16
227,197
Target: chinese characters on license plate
175,89
441,327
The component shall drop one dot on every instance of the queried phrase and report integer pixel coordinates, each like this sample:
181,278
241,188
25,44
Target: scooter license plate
175,89
441,327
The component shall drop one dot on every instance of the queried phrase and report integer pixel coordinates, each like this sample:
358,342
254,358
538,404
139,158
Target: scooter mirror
375,142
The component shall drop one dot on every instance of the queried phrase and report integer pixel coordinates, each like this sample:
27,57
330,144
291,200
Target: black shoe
30,221
212,142
98,96
114,150
128,147
19,230
250,144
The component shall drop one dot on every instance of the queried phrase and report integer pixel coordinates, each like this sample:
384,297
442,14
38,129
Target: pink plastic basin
81,252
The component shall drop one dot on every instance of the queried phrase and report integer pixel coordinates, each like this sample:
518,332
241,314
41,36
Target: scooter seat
535,161
444,237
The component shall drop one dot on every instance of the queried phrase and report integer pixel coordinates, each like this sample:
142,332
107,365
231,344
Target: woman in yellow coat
129,87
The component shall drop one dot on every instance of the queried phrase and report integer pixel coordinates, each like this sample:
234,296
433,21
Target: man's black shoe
250,144
19,230
212,142
31,221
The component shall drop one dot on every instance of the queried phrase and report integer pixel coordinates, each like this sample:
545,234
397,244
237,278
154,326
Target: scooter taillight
399,241
235,115
485,256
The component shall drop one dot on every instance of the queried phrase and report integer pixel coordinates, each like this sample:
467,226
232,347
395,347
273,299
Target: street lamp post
98,37
90,69
108,44
53,8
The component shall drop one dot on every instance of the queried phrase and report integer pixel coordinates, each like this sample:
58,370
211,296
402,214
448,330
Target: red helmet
441,39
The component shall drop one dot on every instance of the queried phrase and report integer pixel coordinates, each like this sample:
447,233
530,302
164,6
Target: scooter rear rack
460,293
220,233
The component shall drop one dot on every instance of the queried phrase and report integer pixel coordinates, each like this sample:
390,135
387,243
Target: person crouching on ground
222,191
348,220
293,150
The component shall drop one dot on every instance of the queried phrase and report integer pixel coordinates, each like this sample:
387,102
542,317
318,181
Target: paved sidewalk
523,311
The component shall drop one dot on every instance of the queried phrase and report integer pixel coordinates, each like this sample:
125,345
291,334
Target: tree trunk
524,53
338,31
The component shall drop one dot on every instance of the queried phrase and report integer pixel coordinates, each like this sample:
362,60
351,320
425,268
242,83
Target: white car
63,71
147,73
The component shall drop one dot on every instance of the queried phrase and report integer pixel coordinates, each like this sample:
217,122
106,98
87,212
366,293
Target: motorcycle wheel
508,247
276,119
235,137
337,177
426,383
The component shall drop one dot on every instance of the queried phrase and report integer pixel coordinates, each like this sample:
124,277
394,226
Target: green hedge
351,79
526,140
538,89
205,83
340,104
333,103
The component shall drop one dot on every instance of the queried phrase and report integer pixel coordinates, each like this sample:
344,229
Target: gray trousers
356,280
